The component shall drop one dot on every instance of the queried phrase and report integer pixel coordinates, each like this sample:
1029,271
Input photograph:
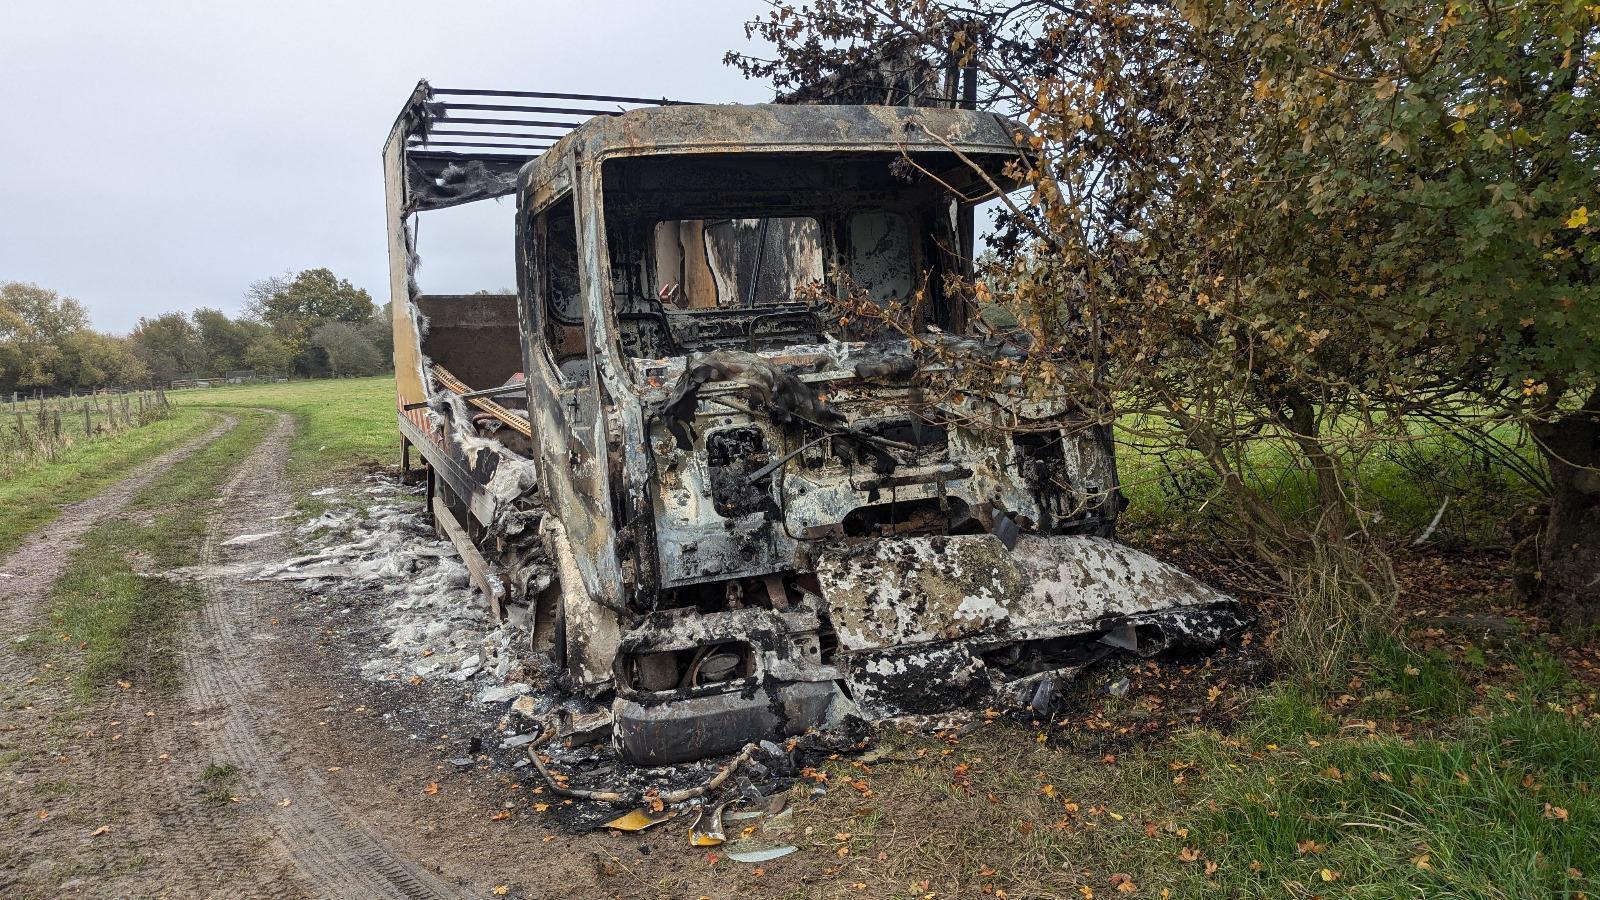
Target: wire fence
38,428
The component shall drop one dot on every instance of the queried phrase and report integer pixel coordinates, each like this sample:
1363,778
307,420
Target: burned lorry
727,511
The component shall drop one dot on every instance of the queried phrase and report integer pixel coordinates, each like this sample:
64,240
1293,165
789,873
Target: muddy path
273,769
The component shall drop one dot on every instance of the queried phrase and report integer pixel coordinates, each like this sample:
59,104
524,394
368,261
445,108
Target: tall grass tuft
1342,598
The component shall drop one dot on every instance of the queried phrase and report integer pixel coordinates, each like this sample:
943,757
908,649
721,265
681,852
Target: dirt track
34,566
105,796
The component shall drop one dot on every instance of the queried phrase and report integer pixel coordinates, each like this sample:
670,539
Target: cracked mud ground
268,770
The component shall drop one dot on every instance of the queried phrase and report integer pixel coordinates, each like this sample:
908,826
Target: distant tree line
312,325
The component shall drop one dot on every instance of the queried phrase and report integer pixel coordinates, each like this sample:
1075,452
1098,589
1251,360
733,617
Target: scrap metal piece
1123,637
706,830
763,854
484,577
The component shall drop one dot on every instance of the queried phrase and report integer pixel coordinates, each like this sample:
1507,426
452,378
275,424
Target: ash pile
378,550
377,558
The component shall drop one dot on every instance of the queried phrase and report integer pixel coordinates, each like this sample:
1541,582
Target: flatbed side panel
447,462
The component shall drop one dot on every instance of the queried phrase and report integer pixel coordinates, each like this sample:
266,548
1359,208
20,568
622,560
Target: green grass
341,424
1497,801
33,498
217,779
1404,483
125,621
1461,813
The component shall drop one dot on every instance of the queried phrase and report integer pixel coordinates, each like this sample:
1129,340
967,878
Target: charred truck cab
725,512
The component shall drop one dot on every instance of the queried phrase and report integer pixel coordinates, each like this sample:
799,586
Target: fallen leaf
500,890
1329,875
285,802
432,788
540,807
1555,812
500,816
1188,854
99,831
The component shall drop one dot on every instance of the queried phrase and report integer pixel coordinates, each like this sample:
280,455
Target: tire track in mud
230,679
43,555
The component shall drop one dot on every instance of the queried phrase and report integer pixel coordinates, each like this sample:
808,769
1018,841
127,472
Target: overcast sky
162,155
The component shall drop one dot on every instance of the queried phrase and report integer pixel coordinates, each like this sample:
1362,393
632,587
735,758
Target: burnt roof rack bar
441,153
431,111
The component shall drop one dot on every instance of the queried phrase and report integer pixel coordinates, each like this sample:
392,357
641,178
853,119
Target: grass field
1403,483
340,423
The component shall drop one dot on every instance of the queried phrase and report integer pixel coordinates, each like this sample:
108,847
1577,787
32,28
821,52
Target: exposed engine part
734,455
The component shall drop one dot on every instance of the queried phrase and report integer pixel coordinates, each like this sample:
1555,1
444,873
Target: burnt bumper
659,733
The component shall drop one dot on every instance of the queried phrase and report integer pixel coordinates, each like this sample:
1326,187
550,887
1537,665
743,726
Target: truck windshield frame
882,229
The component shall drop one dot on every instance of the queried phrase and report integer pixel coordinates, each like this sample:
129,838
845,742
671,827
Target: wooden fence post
88,432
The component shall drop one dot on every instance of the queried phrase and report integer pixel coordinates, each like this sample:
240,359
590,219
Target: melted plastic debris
244,539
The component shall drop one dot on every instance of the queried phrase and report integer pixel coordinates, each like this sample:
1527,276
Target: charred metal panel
896,592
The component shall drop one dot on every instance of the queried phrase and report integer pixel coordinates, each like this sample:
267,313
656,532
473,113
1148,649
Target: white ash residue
433,625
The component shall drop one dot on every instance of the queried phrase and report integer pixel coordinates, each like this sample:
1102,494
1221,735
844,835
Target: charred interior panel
754,515
473,335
